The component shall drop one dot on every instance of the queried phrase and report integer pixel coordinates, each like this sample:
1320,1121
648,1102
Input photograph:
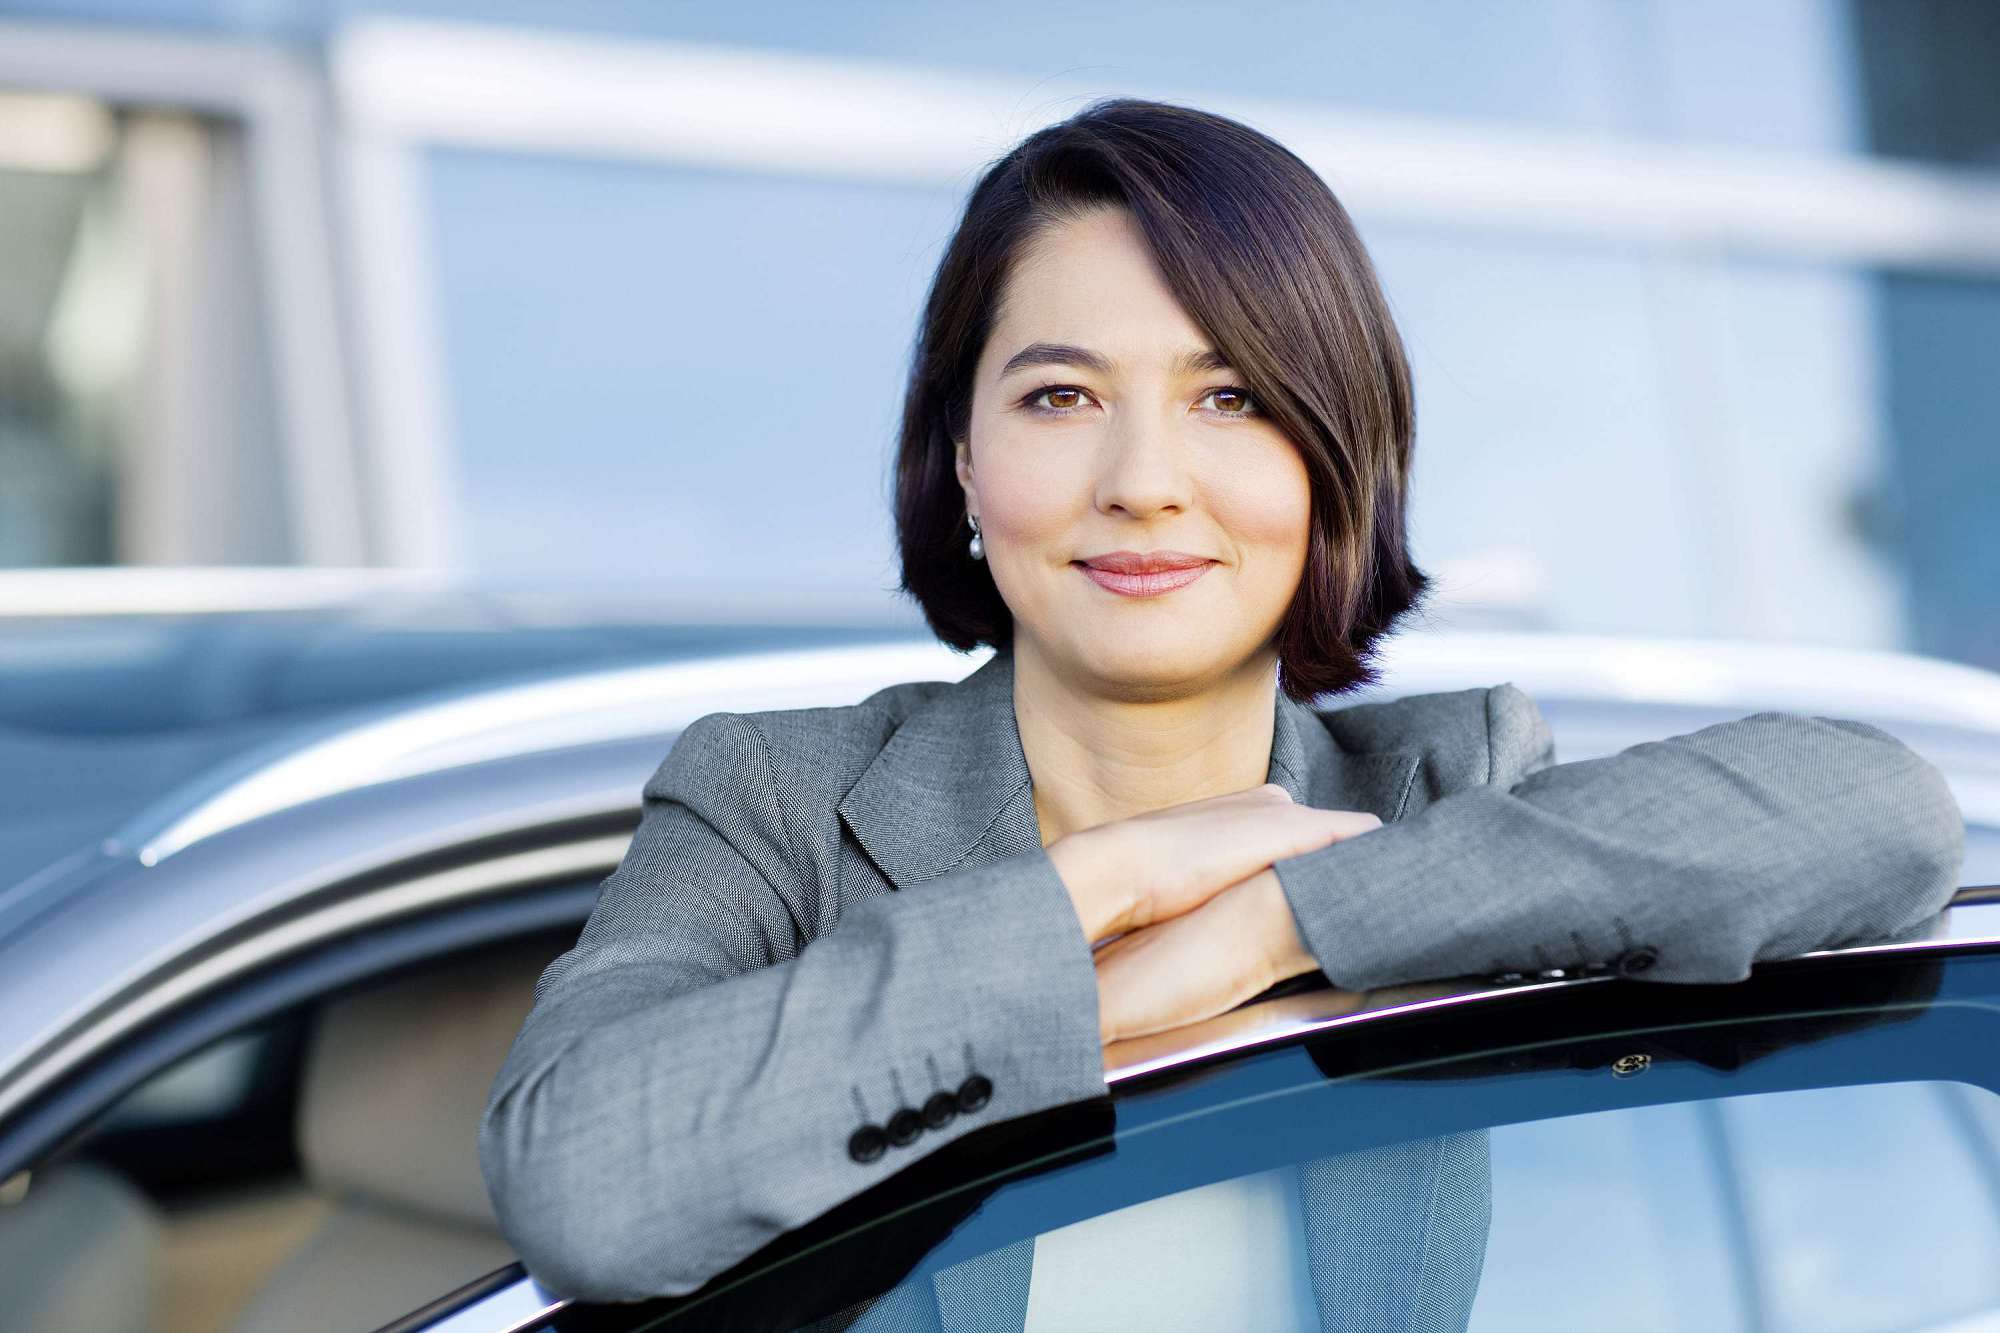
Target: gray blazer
758,983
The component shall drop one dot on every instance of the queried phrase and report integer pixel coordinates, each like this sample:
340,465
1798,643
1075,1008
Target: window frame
309,948
279,100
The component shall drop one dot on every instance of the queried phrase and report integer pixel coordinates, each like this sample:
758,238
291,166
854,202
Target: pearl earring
976,548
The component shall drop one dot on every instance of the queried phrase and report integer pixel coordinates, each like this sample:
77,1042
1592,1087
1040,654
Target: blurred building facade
1703,298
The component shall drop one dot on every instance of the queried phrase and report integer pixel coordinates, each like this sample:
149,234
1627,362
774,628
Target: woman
1155,450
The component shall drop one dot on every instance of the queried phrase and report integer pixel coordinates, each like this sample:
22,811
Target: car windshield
1815,1148
100,717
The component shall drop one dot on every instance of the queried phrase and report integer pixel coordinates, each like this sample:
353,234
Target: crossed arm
1687,858
682,1091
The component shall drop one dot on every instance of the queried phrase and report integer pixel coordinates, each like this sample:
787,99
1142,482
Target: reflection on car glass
1500,1124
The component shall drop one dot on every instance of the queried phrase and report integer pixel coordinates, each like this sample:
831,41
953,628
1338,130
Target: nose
1144,468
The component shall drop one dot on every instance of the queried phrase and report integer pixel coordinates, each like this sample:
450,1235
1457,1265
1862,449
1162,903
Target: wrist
1285,943
1091,870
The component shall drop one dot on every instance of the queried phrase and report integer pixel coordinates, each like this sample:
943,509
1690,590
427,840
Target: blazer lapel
951,787
1317,771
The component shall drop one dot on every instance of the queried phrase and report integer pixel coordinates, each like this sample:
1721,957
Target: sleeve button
904,1126
974,1093
1637,961
867,1143
940,1109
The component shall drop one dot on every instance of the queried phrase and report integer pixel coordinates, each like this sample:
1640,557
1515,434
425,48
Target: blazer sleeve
1684,859
685,1086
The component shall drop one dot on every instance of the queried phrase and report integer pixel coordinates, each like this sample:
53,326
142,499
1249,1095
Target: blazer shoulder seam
1529,744
757,773
769,767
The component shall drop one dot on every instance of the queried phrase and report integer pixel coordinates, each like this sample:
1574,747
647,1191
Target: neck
1094,756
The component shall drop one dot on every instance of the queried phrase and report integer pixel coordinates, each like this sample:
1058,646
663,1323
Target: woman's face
1106,433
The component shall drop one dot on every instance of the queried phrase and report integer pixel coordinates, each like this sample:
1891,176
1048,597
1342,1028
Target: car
118,686
1813,1148
245,1040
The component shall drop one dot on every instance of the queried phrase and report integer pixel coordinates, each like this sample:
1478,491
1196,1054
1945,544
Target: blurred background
1703,297
398,399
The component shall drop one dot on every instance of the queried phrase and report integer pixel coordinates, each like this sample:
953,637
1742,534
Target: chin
1146,665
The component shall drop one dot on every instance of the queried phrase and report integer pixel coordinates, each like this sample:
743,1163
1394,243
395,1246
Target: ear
962,464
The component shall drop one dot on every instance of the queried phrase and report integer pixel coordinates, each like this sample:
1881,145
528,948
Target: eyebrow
1192,361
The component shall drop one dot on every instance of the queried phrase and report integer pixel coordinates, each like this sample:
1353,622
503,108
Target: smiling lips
1132,574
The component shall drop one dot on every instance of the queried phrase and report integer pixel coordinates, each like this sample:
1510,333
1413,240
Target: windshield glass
1816,1148
101,717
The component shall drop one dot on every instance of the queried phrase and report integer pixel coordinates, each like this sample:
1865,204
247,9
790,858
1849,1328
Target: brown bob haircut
1266,262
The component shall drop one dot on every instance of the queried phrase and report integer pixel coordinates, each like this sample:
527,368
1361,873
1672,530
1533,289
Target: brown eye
1233,402
1062,399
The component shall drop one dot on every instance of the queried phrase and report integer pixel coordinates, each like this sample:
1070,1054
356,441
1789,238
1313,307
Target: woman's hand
1157,866
1201,963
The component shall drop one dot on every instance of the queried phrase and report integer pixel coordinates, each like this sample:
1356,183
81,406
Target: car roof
1629,680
